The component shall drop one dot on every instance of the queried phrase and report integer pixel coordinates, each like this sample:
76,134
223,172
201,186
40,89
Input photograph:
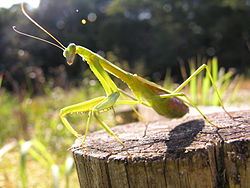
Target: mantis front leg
86,106
93,107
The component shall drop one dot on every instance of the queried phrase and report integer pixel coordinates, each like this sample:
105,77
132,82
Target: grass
200,88
33,141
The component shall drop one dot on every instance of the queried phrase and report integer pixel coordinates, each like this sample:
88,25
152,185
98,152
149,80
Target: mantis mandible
171,104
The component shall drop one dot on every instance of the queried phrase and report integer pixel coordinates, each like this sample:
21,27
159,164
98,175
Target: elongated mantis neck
108,66
114,70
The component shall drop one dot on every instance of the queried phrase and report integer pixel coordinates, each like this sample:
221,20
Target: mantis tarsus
171,104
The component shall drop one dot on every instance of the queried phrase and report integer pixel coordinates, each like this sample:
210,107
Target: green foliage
34,123
200,87
22,170
39,152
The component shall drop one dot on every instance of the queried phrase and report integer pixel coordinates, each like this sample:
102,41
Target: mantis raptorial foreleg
78,108
93,107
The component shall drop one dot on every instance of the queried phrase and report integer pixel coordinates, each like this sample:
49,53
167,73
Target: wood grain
187,152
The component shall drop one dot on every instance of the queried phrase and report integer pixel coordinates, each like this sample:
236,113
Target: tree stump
185,153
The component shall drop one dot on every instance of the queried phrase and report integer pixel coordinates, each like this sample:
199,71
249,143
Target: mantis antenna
61,46
37,38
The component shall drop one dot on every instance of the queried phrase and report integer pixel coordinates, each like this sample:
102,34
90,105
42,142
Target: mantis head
69,53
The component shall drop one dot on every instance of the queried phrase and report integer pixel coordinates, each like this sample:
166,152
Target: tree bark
185,153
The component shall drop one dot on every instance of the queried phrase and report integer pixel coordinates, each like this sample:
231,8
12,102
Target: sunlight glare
9,3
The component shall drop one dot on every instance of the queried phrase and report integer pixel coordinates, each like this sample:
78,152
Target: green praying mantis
171,104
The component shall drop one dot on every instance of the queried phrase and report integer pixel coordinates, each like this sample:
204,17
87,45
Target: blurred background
162,40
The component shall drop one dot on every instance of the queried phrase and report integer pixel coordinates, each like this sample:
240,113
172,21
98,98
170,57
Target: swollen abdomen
170,108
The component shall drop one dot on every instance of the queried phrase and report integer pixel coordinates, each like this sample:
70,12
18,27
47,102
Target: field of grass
34,142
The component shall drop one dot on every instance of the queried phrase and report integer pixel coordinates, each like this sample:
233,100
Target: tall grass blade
183,70
6,148
42,149
183,73
193,82
214,68
69,164
37,156
205,86
225,82
168,83
25,146
1,79
55,175
236,84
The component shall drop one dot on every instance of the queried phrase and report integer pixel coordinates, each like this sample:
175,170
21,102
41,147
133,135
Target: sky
9,3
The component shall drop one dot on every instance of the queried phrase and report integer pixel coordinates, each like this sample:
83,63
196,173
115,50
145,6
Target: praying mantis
171,104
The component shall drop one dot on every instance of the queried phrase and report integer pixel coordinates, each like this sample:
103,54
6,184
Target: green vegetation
200,88
34,135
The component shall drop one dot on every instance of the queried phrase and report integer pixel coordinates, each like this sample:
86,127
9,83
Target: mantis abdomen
170,107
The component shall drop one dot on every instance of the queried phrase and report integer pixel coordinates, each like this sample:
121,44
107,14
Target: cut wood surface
178,153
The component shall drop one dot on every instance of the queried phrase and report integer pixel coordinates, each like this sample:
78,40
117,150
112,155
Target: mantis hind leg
195,106
201,68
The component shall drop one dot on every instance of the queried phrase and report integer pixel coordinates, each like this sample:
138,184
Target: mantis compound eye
69,53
